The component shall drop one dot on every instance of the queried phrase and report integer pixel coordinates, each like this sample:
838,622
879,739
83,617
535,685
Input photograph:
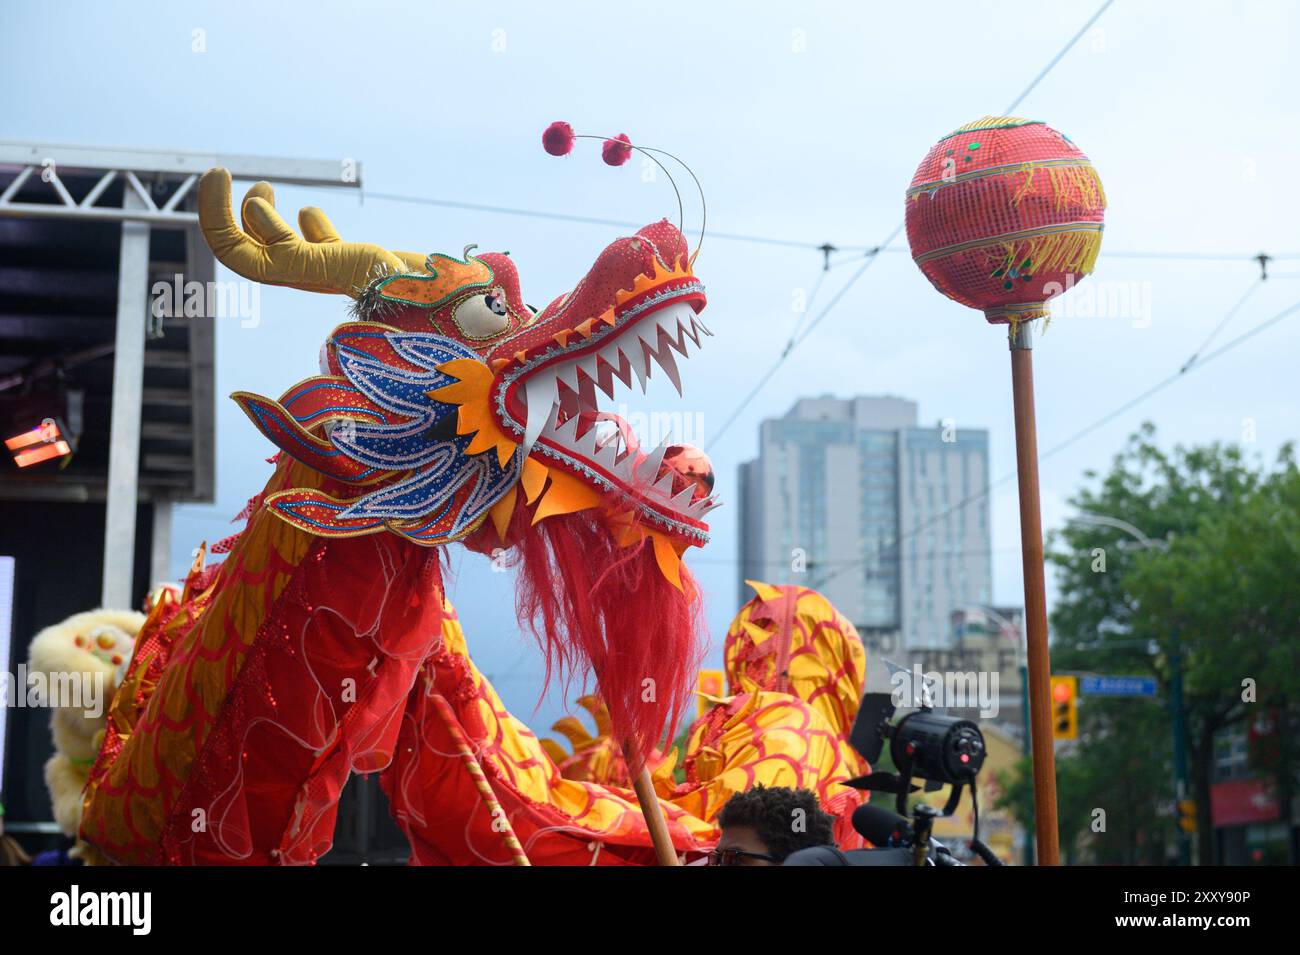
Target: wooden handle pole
1031,547
653,812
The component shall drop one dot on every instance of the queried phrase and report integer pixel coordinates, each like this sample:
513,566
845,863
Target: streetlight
1103,521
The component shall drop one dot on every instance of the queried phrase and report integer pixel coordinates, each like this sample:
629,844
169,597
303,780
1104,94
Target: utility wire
1014,103
1196,256
1161,385
872,254
789,346
1078,435
871,257
1219,327
788,243
590,220
1057,59
812,297
818,246
1170,256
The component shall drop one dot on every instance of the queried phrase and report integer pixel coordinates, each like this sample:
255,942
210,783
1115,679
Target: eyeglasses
734,857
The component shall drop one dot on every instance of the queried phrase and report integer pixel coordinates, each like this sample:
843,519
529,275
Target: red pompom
557,139
616,151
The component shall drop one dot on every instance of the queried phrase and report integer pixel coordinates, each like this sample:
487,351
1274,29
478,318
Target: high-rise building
852,497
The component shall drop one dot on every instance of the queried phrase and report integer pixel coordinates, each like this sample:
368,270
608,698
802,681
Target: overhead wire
1075,437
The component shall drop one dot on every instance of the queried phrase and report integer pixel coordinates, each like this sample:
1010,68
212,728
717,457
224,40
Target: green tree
1125,594
1073,813
1228,589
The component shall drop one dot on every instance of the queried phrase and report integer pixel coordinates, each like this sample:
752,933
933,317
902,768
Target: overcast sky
803,122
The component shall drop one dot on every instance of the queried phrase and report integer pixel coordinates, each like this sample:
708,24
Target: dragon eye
483,316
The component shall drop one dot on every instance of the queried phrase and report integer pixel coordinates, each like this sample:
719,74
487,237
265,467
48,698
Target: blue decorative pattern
438,467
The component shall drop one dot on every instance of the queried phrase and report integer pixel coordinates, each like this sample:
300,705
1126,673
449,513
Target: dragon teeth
617,363
649,468
587,364
540,393
568,373
701,507
625,467
683,497
587,390
664,486
606,367
608,436
677,339
647,330
641,366
669,364
669,326
568,432
606,453
584,444
631,351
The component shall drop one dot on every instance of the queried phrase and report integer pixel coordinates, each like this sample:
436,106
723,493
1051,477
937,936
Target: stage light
42,443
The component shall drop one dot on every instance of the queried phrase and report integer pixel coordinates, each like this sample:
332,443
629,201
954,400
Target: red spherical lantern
1003,215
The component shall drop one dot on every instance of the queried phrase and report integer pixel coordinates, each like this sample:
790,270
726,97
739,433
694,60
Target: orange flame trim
474,416
555,491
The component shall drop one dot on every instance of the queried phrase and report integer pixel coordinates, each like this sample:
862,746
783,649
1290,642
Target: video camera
939,749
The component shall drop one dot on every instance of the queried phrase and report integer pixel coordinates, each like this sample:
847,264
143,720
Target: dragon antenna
704,209
558,140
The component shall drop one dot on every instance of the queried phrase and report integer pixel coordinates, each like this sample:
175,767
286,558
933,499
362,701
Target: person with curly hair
763,825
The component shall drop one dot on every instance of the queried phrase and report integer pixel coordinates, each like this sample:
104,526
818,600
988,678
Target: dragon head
449,410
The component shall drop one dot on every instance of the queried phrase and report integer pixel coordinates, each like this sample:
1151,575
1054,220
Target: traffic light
711,683
1187,815
1065,707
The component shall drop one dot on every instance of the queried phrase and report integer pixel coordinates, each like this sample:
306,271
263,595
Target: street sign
1117,685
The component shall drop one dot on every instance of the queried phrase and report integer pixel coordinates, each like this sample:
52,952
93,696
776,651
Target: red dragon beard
596,607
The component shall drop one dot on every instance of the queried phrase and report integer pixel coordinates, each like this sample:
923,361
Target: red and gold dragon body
447,412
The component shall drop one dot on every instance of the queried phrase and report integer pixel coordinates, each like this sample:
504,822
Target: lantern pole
1031,548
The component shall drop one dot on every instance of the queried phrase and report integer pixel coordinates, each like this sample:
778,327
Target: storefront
1247,824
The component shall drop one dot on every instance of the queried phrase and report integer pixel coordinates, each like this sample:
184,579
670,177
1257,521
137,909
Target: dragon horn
272,253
